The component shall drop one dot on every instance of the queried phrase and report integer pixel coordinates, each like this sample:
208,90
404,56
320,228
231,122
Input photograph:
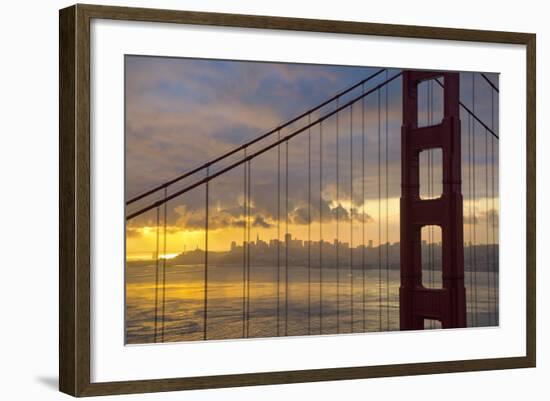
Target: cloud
485,216
340,213
133,232
138,232
260,221
183,112
189,219
362,217
238,223
217,219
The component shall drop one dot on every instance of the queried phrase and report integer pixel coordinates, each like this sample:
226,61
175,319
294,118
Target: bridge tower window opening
431,173
431,256
432,324
430,101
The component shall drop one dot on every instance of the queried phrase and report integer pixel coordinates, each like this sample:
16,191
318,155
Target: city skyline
297,243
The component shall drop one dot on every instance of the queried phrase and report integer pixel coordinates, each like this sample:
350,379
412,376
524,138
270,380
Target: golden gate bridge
443,138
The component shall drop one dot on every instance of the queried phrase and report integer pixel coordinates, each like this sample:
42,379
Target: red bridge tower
417,303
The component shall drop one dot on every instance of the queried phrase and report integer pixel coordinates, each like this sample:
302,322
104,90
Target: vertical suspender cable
351,211
321,227
207,212
432,187
164,271
493,213
474,197
248,252
337,219
437,268
157,275
426,265
387,213
432,191
287,242
488,273
309,227
278,234
429,184
244,247
363,216
379,223
470,226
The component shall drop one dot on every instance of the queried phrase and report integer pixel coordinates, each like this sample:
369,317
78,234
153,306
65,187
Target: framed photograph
250,200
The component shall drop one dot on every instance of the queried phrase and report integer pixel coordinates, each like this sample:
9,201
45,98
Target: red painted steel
416,303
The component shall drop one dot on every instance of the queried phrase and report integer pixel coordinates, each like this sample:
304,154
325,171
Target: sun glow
168,255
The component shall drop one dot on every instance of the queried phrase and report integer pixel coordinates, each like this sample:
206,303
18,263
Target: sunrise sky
183,112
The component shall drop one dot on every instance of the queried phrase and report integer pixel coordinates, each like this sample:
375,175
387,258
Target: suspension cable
157,274
337,219
363,270
164,274
278,235
493,214
261,151
309,228
255,140
386,89
474,197
487,226
207,210
248,224
470,218
379,223
472,114
431,264
491,84
245,173
351,210
287,239
321,228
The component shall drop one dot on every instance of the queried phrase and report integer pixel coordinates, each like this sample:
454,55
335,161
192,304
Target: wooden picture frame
74,204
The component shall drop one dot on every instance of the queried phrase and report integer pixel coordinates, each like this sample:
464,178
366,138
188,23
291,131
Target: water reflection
358,311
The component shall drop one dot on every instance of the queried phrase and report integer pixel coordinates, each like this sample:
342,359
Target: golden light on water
168,255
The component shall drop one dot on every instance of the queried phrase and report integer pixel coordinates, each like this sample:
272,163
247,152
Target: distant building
288,237
262,245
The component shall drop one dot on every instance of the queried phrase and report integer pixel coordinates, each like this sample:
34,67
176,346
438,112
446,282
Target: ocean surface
339,303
